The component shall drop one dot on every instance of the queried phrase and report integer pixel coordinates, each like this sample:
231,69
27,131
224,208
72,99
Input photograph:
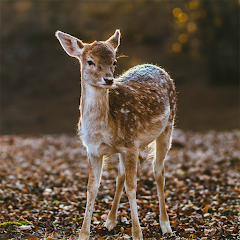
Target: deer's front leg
92,188
111,220
130,160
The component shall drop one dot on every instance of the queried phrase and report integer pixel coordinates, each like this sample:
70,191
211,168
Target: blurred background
197,42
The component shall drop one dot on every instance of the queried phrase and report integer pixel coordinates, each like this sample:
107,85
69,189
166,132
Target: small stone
25,227
47,192
189,230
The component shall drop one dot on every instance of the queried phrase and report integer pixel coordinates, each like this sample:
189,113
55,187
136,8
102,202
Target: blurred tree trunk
220,39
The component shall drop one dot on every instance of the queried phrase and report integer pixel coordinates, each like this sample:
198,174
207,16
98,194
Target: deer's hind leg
163,143
112,216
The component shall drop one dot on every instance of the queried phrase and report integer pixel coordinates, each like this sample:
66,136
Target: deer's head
98,59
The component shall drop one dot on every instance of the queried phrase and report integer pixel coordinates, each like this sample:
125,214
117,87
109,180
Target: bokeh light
177,47
177,11
182,17
183,38
194,4
191,27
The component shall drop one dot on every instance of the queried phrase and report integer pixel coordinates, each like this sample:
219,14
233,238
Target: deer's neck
94,104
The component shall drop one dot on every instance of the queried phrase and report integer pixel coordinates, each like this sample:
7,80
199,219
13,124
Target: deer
121,115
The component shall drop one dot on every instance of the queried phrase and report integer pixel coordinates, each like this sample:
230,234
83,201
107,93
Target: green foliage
19,223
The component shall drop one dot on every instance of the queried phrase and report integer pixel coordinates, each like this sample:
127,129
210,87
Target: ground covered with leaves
43,183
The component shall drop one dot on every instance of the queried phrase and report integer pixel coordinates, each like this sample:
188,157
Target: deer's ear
72,46
114,40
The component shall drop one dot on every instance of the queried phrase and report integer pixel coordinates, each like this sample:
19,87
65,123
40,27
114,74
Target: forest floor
43,182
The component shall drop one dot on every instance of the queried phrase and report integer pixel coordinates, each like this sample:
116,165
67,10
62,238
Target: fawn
120,116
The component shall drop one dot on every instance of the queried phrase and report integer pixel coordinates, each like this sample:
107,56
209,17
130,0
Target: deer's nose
109,80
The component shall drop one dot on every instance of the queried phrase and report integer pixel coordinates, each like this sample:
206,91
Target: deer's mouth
107,82
107,86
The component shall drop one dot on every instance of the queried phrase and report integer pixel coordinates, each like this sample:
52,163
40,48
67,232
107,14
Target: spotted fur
140,95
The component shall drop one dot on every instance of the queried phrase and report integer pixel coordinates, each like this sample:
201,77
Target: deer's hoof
166,228
167,234
110,224
83,236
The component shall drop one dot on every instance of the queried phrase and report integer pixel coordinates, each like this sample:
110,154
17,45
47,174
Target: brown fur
121,118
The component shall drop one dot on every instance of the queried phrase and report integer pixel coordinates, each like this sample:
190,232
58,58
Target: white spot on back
124,111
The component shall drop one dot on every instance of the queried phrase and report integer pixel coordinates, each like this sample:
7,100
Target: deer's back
142,97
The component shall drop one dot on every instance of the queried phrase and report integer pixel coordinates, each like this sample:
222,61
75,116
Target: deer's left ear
114,40
72,46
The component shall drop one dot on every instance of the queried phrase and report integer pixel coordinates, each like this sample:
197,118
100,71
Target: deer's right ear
72,46
114,40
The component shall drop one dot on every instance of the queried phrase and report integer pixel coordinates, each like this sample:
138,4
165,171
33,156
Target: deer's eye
115,62
90,63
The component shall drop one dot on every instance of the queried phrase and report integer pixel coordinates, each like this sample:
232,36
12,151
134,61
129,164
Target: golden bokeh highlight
183,38
194,5
177,11
182,17
177,47
191,27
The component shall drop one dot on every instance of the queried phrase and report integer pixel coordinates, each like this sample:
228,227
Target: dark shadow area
197,42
